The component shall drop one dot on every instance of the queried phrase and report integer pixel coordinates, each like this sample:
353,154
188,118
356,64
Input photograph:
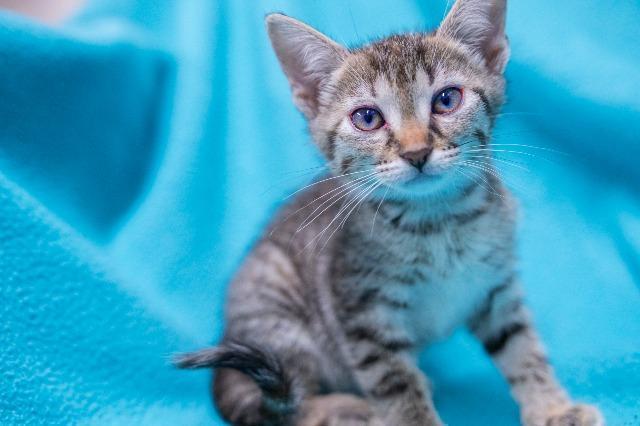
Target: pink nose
417,158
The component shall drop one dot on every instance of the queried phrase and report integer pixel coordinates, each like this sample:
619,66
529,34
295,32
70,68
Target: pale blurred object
48,11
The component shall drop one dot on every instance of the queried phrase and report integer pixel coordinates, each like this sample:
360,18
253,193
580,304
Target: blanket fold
144,143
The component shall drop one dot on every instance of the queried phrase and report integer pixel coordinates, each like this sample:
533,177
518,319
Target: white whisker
366,192
474,178
324,180
495,173
290,215
350,187
501,160
337,215
373,223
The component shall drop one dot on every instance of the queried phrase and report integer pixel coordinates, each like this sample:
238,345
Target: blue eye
367,119
447,101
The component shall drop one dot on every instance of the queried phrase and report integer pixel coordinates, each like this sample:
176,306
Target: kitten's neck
439,207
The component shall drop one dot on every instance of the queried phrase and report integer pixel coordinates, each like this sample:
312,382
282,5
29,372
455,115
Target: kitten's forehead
403,61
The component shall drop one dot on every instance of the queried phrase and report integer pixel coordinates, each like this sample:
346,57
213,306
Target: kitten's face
412,112
410,108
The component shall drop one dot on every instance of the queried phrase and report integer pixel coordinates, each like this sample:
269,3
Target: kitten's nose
417,158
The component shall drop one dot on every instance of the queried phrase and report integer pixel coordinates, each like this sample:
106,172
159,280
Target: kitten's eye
447,101
367,119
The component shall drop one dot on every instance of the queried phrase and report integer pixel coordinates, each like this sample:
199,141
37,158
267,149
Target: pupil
368,117
446,99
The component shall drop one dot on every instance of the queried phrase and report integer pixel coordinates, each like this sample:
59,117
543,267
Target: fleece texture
144,144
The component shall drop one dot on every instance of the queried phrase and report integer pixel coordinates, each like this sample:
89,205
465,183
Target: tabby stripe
393,303
402,279
391,140
428,227
435,129
393,383
346,163
369,298
422,228
430,73
463,219
397,345
361,302
481,136
495,344
490,300
517,380
361,333
483,99
537,361
285,306
331,139
523,379
371,359
396,220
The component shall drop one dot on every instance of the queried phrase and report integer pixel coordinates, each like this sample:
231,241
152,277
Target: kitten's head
412,108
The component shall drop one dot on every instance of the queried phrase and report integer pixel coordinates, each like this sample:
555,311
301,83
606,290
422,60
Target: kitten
410,237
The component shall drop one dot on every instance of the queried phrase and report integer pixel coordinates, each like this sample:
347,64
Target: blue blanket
144,144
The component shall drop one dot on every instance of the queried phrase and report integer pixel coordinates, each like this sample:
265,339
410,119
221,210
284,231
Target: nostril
417,158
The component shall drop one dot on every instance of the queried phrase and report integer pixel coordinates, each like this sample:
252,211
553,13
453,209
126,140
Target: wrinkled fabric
145,143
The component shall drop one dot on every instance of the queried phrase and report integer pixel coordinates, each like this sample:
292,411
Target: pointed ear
480,25
307,57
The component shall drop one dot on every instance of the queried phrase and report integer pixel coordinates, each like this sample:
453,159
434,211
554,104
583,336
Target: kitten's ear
480,25
307,57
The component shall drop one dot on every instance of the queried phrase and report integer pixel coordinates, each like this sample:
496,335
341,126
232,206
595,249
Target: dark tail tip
206,358
263,367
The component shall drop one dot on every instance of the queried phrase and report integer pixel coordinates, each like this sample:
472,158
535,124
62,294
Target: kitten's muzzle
417,157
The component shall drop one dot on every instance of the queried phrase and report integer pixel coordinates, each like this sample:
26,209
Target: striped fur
381,257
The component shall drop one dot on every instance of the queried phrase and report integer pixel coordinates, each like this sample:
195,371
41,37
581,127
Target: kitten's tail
278,401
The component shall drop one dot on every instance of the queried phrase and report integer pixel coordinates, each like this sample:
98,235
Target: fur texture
386,254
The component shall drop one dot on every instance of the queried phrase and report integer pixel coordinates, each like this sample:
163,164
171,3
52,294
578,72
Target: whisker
340,211
527,154
366,192
332,191
373,223
359,202
289,216
323,166
341,197
289,176
495,173
501,160
351,186
324,180
542,148
489,189
503,114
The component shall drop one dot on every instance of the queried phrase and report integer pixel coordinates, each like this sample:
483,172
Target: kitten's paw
337,410
576,415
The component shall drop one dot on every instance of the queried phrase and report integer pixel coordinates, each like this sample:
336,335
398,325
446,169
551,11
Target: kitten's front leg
390,381
504,328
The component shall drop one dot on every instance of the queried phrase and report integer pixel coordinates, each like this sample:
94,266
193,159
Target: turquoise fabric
145,143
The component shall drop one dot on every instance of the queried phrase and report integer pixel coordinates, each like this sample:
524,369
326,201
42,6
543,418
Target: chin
427,184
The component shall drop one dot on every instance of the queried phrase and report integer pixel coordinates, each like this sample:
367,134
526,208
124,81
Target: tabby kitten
403,243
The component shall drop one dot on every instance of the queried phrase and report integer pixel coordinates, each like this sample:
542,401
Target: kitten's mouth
429,173
422,178
411,179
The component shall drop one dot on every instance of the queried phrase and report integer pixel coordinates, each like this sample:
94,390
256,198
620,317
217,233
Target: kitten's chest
452,274
438,306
